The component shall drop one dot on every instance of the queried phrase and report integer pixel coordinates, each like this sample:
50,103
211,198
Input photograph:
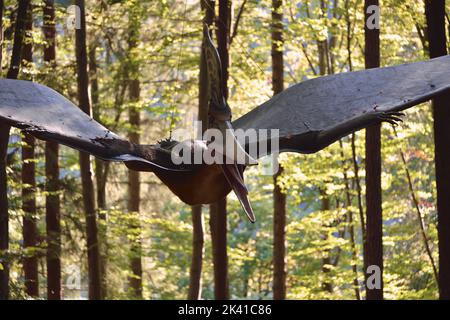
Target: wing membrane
312,114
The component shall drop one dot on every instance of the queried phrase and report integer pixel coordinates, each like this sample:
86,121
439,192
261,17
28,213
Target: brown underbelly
204,185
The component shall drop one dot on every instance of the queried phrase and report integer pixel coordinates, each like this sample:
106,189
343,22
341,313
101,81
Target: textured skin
38,108
315,113
310,116
48,115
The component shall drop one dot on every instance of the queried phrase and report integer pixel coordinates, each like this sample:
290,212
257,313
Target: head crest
213,66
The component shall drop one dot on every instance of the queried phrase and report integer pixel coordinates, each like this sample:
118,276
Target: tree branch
238,19
303,47
358,188
419,213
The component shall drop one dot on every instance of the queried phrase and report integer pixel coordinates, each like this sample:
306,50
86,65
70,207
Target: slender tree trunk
101,168
52,204
279,240
85,164
279,197
99,164
358,188
4,216
16,56
218,210
374,228
415,203
326,261
30,232
223,40
322,47
53,224
4,224
134,186
349,34
195,275
134,199
13,72
350,222
322,44
218,226
435,14
354,254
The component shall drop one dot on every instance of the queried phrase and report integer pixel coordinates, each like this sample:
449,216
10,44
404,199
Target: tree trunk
30,232
435,14
99,164
279,240
223,40
326,260
374,228
101,168
322,47
4,224
209,15
354,253
218,226
218,210
52,204
85,164
134,188
415,203
350,222
16,56
195,274
13,72
279,198
357,180
4,216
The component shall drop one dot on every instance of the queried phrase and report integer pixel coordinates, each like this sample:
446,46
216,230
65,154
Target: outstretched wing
313,114
47,115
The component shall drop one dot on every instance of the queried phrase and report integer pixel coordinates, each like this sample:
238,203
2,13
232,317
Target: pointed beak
236,180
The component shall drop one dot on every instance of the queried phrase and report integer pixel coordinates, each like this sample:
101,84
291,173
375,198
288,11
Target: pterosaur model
310,116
